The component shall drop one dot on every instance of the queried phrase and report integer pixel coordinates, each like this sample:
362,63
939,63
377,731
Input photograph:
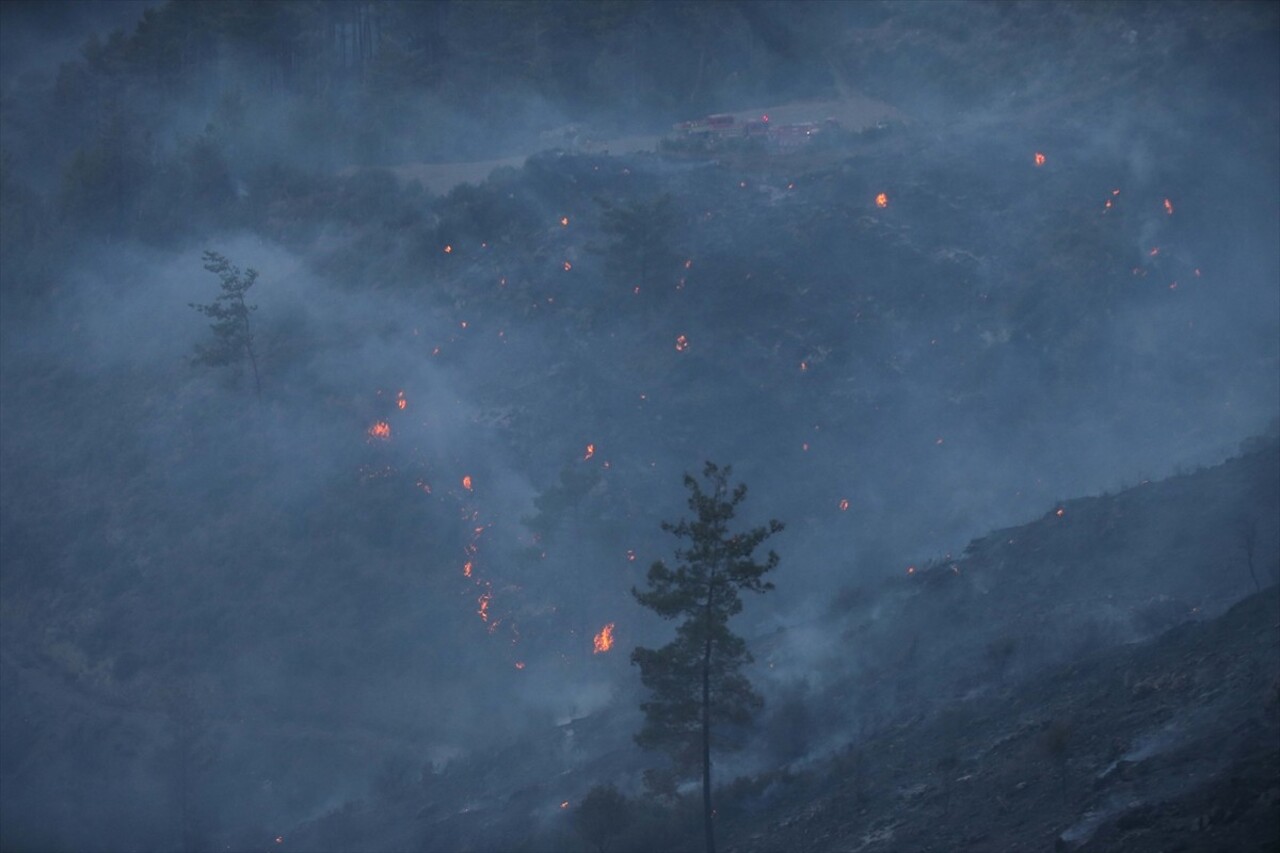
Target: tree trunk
706,723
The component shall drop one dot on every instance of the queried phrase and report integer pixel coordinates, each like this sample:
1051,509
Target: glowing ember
466,569
1039,159
483,601
567,266
564,221
591,451
565,804
682,343
844,504
1168,207
604,640
804,365
380,430
401,402
466,482
882,200
1060,512
448,250
519,664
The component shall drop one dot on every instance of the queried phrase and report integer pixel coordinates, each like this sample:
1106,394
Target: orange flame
591,451
1039,159
604,640
466,569
380,430
682,343
466,482
882,200
401,402
483,601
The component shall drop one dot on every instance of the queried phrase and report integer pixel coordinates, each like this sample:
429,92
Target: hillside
354,605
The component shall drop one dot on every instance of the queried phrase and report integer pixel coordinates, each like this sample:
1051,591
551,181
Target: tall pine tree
696,680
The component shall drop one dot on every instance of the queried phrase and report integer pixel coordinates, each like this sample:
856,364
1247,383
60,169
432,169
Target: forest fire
380,430
603,641
1039,159
682,343
882,200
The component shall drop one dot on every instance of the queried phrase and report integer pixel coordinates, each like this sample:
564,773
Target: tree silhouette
602,816
232,337
696,680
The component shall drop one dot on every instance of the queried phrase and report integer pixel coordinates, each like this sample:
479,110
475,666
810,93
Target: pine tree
696,680
233,339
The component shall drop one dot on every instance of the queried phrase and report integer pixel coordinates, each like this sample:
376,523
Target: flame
604,640
380,430
564,222
466,482
401,402
882,200
483,601
1039,159
844,504
519,664
466,569
1168,207
448,249
804,365
565,804
591,451
682,343
1060,512
567,266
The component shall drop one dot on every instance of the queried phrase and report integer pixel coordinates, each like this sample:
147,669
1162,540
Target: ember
844,504
567,266
591,451
682,343
564,221
519,664
882,200
380,430
466,482
401,402
448,249
604,640
1039,159
1168,207
483,601
466,569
